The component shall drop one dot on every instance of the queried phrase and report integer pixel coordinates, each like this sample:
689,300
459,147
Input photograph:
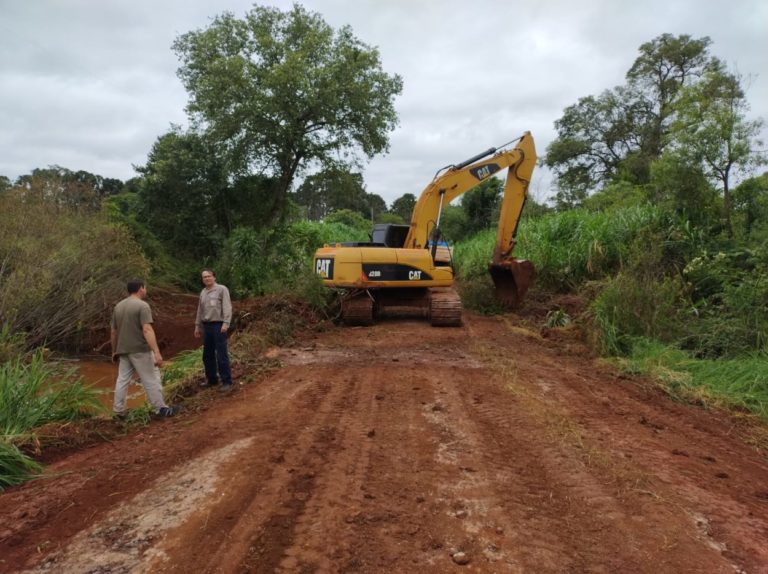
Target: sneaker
208,384
226,388
119,417
171,411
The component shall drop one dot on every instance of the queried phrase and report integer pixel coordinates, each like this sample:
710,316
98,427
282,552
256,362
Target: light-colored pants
144,365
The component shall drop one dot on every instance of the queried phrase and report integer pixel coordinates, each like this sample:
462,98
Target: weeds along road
403,448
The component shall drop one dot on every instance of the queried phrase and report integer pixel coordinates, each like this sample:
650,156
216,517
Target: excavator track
357,310
444,308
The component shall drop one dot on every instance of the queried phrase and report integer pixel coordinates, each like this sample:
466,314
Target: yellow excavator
404,271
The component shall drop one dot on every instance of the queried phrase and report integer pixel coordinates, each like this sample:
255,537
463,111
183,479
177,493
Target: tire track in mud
281,520
616,489
674,445
394,448
266,485
320,494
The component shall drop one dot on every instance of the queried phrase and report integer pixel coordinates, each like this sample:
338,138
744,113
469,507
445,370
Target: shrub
729,290
644,299
279,260
60,269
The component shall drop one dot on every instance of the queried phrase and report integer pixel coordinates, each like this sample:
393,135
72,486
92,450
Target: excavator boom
511,277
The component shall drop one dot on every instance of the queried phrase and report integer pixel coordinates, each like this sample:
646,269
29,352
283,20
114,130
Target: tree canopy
621,131
680,107
280,91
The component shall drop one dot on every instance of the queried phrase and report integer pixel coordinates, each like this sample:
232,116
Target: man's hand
115,357
224,327
197,332
158,359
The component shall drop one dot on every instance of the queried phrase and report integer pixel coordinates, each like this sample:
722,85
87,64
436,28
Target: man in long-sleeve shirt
214,314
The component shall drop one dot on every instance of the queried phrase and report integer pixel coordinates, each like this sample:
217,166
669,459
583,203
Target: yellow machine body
407,267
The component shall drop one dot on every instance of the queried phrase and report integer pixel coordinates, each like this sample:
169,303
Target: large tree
183,194
279,91
331,190
711,130
403,206
481,204
619,134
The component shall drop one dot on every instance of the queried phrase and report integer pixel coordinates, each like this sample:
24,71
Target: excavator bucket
512,278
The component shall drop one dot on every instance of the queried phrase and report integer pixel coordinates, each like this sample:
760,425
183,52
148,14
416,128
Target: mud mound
274,320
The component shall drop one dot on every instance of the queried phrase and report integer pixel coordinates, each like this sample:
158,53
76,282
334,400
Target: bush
729,290
279,260
644,299
60,269
630,307
351,219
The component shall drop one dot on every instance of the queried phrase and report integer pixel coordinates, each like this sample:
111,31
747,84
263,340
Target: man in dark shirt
134,347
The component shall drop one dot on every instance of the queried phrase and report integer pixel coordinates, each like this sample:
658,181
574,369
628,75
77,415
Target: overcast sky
91,84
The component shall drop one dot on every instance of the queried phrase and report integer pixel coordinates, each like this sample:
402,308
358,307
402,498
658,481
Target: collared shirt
214,305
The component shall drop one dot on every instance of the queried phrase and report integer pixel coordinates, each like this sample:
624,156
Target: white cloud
91,85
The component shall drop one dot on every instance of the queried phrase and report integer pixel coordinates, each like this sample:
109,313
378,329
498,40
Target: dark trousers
215,354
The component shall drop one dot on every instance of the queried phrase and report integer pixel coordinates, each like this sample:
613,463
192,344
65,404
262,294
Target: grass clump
32,394
178,372
735,383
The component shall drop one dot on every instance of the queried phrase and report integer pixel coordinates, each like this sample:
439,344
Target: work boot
171,411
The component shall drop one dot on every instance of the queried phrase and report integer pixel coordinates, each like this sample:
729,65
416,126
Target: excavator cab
390,234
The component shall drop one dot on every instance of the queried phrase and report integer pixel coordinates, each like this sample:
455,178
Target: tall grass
740,383
33,393
567,248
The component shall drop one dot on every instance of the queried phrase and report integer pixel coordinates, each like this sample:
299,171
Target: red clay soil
405,448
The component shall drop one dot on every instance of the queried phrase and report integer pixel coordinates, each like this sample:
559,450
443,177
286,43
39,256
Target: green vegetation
660,220
278,260
569,247
60,264
32,394
735,383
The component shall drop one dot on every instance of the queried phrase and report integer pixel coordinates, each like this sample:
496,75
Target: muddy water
102,375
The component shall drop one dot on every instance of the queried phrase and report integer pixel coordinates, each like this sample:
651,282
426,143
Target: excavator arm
458,179
511,277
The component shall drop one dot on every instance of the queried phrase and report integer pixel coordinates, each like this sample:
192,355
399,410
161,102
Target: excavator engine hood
511,277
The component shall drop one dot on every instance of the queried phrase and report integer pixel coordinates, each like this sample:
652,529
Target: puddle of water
102,375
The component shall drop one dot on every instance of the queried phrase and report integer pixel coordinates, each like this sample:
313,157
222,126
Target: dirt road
404,448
